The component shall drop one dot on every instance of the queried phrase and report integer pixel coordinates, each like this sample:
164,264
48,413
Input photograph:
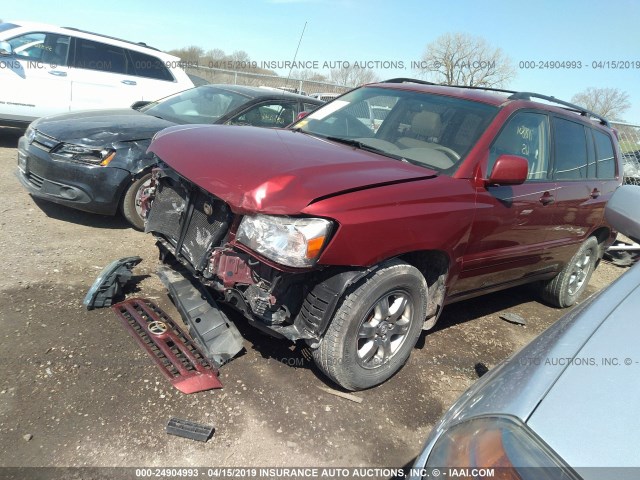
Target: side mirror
5,48
301,115
622,213
139,104
509,170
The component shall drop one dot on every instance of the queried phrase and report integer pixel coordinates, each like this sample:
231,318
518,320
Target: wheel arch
322,301
434,266
605,237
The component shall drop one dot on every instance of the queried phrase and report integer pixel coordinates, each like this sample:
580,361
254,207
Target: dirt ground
77,391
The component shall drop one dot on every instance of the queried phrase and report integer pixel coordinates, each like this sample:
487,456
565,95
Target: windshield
429,130
204,104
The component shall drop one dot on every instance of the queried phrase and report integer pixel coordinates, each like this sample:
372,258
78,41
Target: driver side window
526,135
49,48
278,114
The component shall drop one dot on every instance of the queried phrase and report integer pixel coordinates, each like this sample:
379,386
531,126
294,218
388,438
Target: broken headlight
78,153
295,242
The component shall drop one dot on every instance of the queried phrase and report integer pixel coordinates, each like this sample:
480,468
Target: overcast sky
349,30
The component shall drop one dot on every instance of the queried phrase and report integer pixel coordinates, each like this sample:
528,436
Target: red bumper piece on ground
180,360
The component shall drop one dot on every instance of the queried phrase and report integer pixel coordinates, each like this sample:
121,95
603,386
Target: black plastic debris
109,283
621,258
191,430
480,369
513,318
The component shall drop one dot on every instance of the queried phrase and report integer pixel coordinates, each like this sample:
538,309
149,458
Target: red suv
353,238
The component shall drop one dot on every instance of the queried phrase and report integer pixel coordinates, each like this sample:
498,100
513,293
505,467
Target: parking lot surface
76,390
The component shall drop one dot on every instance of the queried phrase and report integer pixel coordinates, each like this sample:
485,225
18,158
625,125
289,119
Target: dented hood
101,128
273,170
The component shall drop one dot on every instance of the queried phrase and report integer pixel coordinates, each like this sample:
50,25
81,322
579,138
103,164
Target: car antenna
295,55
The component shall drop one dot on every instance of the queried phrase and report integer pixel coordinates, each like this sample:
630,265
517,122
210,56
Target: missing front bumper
190,362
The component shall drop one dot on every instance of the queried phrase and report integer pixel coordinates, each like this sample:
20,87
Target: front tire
375,328
565,288
131,209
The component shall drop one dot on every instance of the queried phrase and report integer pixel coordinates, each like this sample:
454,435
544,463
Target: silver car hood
552,396
591,415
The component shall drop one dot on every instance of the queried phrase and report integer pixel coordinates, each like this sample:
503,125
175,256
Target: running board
177,356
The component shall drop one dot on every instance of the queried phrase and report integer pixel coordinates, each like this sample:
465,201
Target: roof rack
514,96
581,110
408,80
140,44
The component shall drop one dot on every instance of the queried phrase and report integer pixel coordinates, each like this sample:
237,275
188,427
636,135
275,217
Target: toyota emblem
157,327
208,209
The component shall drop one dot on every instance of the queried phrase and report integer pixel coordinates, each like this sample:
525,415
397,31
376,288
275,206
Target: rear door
102,77
512,223
584,169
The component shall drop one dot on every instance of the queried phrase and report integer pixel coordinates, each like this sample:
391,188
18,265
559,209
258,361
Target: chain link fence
625,252
304,87
629,136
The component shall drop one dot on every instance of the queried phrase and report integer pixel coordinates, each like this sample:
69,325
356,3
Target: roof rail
423,82
141,44
514,96
408,80
581,110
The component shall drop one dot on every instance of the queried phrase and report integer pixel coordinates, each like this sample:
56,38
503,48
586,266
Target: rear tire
565,288
131,201
373,332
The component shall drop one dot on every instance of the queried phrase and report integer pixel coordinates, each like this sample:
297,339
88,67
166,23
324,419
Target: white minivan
46,70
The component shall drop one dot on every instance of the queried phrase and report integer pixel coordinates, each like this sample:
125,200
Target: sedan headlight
502,443
296,242
78,153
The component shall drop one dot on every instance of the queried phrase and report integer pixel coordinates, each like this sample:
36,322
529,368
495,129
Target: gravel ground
77,390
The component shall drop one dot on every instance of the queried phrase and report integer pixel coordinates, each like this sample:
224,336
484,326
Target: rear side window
570,152
605,160
149,66
100,56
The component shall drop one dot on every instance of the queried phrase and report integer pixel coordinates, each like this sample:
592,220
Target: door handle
57,73
595,193
129,82
547,199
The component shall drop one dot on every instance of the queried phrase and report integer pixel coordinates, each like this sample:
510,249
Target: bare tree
608,102
215,54
311,75
463,59
352,76
189,54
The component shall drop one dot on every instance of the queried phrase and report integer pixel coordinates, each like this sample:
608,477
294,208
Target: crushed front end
197,234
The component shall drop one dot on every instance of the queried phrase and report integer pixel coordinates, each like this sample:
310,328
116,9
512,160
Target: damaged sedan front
97,160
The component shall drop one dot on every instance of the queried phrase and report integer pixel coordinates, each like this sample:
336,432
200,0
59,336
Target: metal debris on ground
337,393
188,429
513,318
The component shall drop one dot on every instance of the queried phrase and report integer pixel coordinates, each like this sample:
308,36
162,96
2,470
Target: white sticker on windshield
328,109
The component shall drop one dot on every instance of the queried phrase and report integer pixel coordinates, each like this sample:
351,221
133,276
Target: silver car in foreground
567,405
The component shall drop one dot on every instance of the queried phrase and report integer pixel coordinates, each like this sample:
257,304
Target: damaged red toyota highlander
352,239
